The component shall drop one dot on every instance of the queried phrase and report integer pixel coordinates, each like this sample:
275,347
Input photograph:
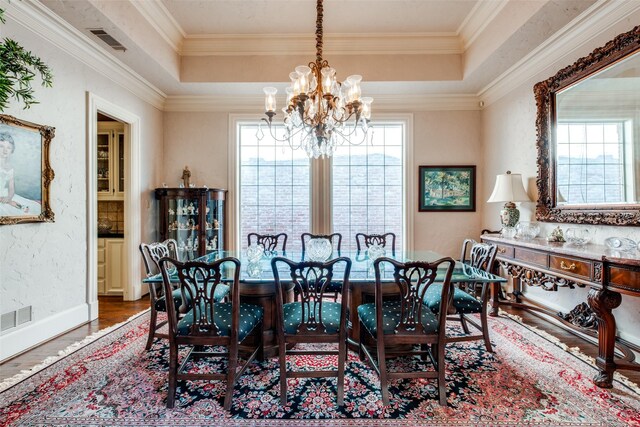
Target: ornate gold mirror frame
545,92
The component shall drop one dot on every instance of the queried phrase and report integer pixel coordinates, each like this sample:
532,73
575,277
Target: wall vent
8,321
107,38
15,318
23,315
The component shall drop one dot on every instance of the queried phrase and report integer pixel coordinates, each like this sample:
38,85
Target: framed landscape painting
447,188
25,172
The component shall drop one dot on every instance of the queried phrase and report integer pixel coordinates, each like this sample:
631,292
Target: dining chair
151,254
270,242
335,239
481,256
209,323
311,319
334,287
406,320
386,240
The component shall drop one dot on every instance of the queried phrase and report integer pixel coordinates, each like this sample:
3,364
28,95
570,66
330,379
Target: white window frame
321,185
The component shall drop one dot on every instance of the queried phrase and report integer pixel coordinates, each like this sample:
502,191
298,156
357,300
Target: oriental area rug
112,381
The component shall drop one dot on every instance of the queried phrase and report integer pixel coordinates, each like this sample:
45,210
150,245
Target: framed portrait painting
25,171
447,188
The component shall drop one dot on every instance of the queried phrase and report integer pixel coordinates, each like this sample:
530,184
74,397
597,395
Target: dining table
257,282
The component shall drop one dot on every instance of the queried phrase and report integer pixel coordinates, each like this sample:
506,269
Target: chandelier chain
319,16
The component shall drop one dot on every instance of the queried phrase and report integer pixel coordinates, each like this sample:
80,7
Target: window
274,188
368,187
591,159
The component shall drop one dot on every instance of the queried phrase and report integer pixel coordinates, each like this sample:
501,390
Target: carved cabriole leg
602,302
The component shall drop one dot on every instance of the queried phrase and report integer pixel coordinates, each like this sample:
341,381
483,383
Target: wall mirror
588,126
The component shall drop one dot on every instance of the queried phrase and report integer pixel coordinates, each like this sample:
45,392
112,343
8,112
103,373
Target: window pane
368,186
274,187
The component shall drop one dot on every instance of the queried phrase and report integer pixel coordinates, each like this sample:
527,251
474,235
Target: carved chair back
412,280
198,282
310,281
386,240
481,255
335,239
270,242
152,252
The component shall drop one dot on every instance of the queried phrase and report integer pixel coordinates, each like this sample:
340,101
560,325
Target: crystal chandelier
321,112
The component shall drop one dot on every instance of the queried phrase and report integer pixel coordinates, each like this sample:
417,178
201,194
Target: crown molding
334,44
253,103
477,20
162,21
591,23
42,21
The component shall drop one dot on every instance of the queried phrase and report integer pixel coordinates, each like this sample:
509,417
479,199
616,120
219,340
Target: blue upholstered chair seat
161,304
391,317
330,316
462,301
250,317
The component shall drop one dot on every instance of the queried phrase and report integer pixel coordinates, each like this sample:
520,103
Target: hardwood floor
113,310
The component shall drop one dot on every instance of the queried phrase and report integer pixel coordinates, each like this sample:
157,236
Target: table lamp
509,189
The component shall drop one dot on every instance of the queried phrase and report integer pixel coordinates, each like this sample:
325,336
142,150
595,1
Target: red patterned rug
113,381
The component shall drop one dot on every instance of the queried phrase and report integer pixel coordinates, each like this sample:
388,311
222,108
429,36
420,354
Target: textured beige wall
44,264
509,140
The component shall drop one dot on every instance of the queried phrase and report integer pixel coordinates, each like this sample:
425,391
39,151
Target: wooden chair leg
485,331
282,349
442,385
231,374
260,355
342,359
463,321
361,343
173,374
382,364
152,327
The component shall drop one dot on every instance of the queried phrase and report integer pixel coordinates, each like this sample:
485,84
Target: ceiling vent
107,38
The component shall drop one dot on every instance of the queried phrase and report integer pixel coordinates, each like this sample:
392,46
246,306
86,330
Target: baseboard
42,330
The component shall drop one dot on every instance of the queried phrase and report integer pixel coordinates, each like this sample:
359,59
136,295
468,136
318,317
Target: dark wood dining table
257,283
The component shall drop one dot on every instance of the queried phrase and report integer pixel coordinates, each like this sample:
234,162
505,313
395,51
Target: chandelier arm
286,139
346,137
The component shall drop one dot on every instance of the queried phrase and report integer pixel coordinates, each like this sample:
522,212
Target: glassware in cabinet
197,230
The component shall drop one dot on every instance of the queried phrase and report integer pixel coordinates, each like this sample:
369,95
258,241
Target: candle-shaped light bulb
295,84
303,77
354,91
366,107
289,92
270,99
328,78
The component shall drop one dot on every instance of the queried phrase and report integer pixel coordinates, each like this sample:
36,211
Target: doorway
112,142
122,130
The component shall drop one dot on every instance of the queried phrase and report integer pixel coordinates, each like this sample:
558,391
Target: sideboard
550,265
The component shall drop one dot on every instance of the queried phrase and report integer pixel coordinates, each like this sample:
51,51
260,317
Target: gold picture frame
25,171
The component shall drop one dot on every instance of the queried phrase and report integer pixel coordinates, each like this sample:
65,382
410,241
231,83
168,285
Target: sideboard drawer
623,277
505,251
531,256
567,265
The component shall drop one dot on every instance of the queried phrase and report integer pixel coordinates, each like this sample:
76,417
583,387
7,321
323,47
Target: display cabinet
194,217
111,151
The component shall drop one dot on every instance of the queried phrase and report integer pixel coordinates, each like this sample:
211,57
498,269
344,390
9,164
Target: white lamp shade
509,188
